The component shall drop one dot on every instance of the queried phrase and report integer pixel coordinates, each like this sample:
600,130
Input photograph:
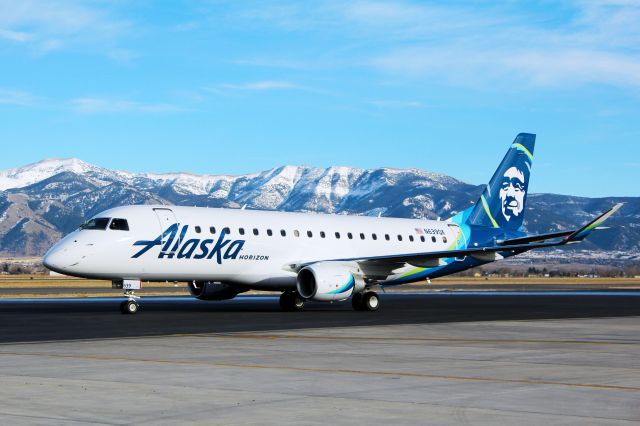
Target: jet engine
210,290
327,282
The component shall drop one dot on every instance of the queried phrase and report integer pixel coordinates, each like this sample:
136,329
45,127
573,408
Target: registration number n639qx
127,284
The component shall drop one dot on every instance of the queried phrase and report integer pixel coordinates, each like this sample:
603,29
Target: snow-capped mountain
41,202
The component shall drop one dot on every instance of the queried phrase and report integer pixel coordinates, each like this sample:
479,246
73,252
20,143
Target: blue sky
241,86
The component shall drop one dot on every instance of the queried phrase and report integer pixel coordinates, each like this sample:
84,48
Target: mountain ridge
42,201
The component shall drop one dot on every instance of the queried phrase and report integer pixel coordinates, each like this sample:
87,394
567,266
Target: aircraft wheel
129,307
370,301
291,301
356,302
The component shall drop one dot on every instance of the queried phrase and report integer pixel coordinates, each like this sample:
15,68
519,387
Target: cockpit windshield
119,225
96,223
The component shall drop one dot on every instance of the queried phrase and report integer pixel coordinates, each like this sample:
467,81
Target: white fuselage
260,257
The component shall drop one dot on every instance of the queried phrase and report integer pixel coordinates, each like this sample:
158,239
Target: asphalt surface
448,358
34,320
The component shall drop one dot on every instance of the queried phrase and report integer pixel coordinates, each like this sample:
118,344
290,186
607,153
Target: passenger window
226,230
410,237
361,236
433,239
198,229
337,235
119,225
296,233
444,239
212,229
255,231
241,230
374,236
269,233
349,235
97,223
283,232
422,238
387,237
322,235
399,237
309,234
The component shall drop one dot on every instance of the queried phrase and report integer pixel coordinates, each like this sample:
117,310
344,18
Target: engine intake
327,282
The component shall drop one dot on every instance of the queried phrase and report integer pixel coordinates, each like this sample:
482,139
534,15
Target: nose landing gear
131,305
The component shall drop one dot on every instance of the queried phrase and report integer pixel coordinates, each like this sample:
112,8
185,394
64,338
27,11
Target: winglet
582,233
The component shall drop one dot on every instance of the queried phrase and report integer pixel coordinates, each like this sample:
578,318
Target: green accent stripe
412,272
486,209
523,149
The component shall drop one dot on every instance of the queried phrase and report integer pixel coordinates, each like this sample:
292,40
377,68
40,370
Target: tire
370,301
291,301
285,301
297,302
356,302
130,307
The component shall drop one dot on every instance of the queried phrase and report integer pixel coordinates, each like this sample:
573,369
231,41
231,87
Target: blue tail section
502,203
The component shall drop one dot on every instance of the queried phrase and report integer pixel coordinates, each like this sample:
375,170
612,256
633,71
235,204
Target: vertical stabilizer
502,203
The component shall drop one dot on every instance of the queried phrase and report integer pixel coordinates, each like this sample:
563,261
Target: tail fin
502,203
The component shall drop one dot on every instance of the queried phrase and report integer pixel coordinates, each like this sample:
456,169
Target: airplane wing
513,246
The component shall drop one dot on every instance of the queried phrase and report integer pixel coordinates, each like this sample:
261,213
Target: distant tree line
627,271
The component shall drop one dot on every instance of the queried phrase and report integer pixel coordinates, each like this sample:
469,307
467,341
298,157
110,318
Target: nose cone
56,259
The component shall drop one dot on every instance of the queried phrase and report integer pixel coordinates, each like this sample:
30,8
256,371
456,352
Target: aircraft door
166,218
458,236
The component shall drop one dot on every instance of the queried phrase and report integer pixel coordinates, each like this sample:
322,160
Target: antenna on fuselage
243,207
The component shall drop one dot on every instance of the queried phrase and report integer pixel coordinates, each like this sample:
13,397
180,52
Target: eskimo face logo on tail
512,192
193,248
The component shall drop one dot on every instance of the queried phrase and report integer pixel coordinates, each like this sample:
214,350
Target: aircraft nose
56,259
51,260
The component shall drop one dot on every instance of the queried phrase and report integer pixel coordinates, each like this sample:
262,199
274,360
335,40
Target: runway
90,318
437,358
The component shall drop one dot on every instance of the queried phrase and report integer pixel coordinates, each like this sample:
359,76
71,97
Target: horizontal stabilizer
582,233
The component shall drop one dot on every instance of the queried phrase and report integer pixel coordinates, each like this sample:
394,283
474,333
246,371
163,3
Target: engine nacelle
210,290
327,282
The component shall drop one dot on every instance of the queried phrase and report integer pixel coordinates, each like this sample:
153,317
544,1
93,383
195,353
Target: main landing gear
367,301
291,301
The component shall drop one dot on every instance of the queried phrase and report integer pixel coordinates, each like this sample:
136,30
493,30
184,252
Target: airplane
221,253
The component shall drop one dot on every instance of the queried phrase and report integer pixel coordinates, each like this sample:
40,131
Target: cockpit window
96,223
119,225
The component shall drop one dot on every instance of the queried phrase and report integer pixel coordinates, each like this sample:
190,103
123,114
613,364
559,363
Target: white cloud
49,25
17,97
15,36
264,85
597,46
474,43
396,104
256,86
107,105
